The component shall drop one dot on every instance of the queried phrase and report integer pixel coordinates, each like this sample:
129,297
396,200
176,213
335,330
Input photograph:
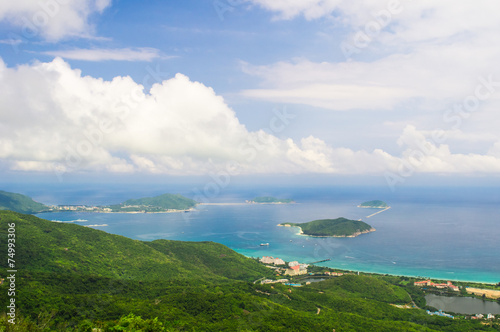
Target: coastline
373,207
130,212
352,235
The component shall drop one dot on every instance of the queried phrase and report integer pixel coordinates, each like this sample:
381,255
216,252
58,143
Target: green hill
376,204
271,200
340,227
73,278
20,203
155,204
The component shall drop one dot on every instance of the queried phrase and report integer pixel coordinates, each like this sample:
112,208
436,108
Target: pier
371,215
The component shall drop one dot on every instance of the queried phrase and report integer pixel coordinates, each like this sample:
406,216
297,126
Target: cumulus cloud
52,20
122,54
65,122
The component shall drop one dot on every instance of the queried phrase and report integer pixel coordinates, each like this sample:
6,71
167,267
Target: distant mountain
155,204
270,200
340,227
20,203
376,204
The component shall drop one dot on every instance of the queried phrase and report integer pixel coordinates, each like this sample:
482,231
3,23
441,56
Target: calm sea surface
450,233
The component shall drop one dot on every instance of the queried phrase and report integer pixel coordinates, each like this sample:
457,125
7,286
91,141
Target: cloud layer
65,122
100,54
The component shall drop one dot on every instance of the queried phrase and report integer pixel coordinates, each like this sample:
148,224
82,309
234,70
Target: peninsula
376,204
162,203
270,200
20,203
340,227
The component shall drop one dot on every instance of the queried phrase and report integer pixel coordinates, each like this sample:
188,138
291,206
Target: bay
444,233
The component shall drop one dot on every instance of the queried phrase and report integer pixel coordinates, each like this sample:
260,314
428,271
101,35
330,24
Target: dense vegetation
155,204
75,278
20,203
374,204
333,227
269,199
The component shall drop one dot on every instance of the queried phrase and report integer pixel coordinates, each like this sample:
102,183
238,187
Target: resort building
432,284
334,274
439,313
269,281
271,260
296,270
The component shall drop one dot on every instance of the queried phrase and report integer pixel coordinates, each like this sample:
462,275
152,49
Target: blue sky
394,90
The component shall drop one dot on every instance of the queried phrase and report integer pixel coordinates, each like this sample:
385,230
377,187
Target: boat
264,244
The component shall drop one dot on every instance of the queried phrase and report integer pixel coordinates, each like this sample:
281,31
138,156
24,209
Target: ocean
444,233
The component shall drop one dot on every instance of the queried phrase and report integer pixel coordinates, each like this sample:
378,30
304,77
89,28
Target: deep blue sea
445,233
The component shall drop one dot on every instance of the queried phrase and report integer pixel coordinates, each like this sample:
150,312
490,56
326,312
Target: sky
392,90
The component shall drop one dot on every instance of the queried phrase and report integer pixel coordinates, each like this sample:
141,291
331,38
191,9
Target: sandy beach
489,293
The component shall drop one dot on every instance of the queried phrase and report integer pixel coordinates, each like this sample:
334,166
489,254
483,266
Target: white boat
264,244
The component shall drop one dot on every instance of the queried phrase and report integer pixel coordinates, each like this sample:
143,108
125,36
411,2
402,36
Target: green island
162,203
340,227
270,200
81,279
376,204
20,203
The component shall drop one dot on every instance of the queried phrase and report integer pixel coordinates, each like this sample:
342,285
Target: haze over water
431,232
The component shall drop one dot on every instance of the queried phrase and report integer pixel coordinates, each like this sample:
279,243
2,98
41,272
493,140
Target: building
269,281
271,260
296,270
432,284
440,313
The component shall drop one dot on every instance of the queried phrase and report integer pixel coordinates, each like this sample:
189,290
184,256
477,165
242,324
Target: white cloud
421,53
122,54
12,41
69,123
63,122
288,9
52,20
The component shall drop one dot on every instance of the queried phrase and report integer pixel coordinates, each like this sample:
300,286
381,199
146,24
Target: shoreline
338,236
401,275
131,212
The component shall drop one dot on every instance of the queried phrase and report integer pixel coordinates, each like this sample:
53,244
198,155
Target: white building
271,260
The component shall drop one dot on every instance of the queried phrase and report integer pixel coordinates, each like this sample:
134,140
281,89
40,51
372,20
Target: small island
340,227
376,204
270,200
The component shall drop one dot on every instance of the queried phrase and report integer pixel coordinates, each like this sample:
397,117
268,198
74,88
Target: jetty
371,215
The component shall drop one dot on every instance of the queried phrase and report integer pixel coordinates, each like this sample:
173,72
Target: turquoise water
445,234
